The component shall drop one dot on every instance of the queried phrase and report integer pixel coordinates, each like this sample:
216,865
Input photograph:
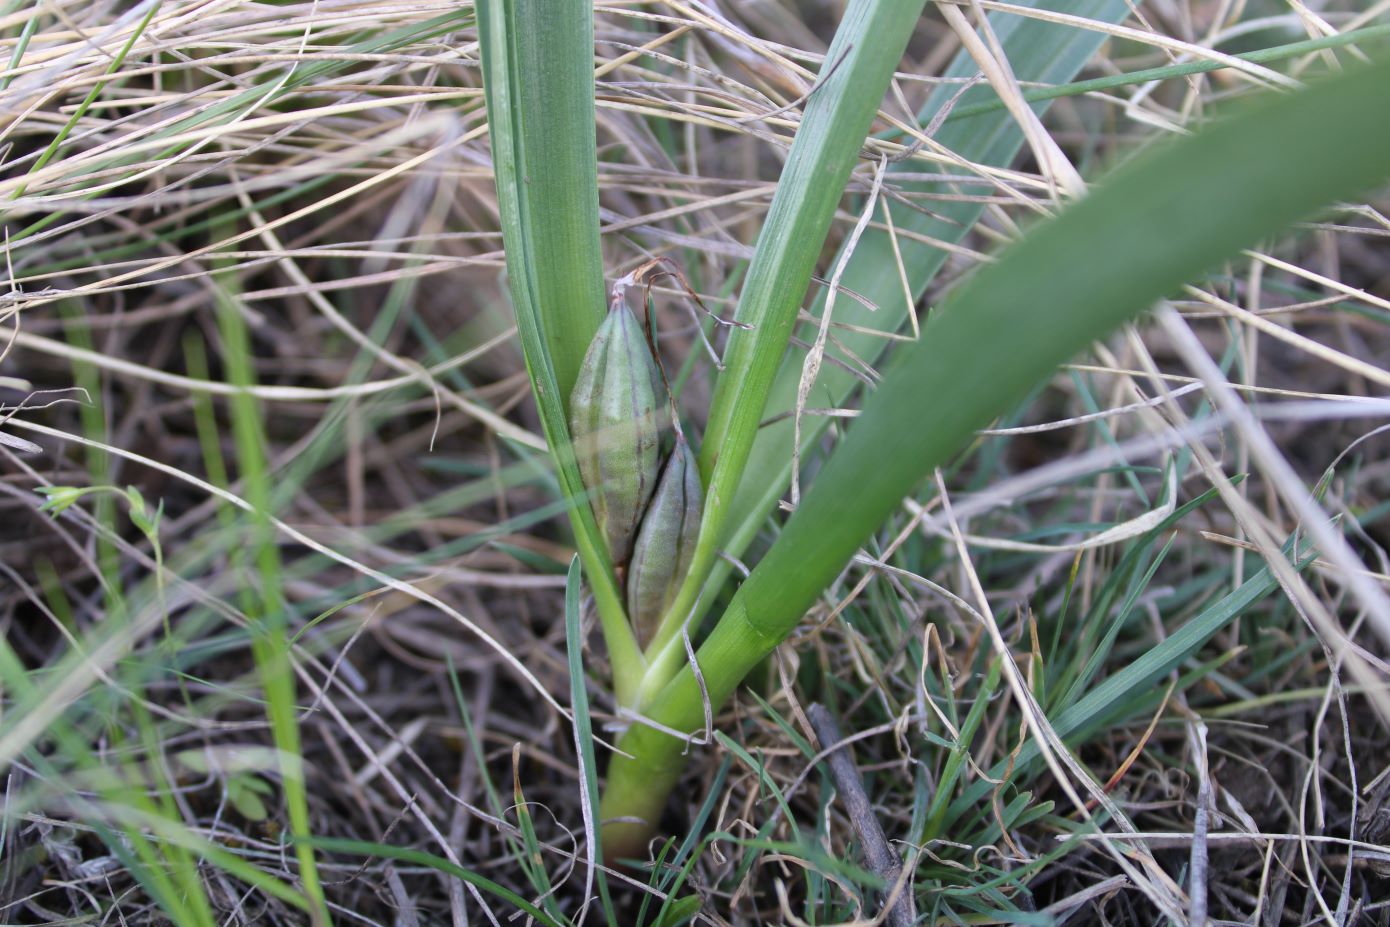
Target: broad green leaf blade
1158,223
1039,52
1155,224
866,49
538,68
538,77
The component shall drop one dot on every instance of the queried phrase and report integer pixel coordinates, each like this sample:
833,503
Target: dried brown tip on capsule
616,416
666,543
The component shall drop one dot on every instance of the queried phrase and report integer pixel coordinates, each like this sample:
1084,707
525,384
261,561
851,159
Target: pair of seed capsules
647,500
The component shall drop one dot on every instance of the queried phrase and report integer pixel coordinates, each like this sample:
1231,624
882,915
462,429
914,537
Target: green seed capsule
666,543
616,413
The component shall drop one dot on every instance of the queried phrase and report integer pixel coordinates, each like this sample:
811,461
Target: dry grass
322,169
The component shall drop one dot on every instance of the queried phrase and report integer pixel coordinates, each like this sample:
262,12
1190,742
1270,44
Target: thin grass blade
439,863
584,740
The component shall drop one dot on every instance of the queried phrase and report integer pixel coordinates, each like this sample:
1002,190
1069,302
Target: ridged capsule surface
666,542
616,413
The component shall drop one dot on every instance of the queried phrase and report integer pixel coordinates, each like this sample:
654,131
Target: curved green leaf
1157,223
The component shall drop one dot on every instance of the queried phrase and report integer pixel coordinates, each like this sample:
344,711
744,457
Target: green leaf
538,78
1156,223
242,794
538,67
60,498
679,912
140,514
1038,52
868,45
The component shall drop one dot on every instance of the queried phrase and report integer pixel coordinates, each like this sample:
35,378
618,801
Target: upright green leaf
867,47
1038,52
538,67
538,76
